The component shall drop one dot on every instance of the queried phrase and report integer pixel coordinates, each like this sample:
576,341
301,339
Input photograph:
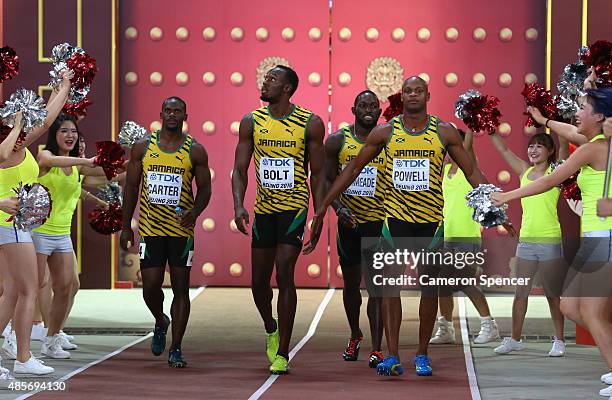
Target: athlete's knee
570,307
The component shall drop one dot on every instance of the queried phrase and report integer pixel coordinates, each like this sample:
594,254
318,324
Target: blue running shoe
390,366
158,344
421,363
175,359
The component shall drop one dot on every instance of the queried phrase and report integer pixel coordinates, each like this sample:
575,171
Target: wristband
546,124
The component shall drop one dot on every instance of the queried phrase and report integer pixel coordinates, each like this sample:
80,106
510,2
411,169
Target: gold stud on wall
235,127
182,79
288,34
314,79
208,269
398,34
505,79
261,34
531,34
156,33
423,34
314,271
372,34
505,34
208,224
131,78
344,34
131,33
208,127
479,34
504,129
237,34
156,78
478,79
209,33
531,78
182,33
236,78
155,126
209,78
424,76
451,79
452,34
314,34
235,270
344,79
503,176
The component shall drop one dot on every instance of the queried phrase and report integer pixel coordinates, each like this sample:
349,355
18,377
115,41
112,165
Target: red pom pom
84,68
9,64
110,157
77,110
536,96
599,52
570,189
107,221
395,108
603,73
482,113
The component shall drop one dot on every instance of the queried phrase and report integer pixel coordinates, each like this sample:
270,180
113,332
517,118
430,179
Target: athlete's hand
315,232
536,115
10,205
241,218
346,218
604,207
188,218
127,238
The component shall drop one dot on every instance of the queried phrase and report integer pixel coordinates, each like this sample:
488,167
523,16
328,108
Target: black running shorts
157,251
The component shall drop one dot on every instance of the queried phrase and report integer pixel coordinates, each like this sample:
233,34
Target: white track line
311,331
192,297
467,351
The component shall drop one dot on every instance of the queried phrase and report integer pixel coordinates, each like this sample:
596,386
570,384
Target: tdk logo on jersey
164,178
368,170
275,162
410,163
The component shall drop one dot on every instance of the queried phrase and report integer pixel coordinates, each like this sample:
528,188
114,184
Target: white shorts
10,234
539,251
48,244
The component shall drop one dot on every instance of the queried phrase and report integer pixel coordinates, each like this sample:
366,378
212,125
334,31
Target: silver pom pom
463,99
34,206
486,213
60,54
30,104
111,193
130,133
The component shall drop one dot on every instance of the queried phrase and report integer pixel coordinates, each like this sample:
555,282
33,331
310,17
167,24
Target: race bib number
365,184
411,174
164,188
276,173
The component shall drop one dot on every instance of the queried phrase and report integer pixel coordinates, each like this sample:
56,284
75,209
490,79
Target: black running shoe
352,350
376,357
158,344
175,360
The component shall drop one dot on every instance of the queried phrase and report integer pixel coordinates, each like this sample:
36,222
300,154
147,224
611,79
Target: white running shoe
9,347
558,348
67,344
39,332
445,333
70,338
488,331
507,345
9,328
32,367
52,347
606,391
607,378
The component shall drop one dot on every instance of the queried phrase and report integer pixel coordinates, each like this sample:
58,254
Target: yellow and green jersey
281,160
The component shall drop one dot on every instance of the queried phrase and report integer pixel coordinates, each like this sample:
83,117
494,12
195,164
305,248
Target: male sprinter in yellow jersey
415,144
361,213
166,163
283,139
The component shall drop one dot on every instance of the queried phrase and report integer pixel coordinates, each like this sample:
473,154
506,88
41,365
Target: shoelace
352,346
506,341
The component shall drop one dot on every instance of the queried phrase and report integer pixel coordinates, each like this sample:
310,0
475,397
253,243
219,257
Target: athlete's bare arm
333,146
374,145
201,172
130,191
315,132
240,177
